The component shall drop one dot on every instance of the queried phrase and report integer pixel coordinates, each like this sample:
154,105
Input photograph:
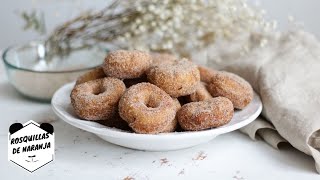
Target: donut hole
97,90
152,103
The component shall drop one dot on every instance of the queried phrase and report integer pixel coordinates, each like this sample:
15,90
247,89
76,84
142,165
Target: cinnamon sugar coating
206,73
173,125
93,74
233,87
208,114
176,103
148,109
177,78
201,94
126,64
161,58
208,96
97,99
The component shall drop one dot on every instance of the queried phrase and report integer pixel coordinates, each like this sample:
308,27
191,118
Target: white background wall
56,11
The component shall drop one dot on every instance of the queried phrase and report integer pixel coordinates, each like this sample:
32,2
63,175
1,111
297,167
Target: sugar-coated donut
93,74
177,78
202,115
158,93
126,64
206,74
173,125
201,94
231,86
148,109
97,99
176,103
160,58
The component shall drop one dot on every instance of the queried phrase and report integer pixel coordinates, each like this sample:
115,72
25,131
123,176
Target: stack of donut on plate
156,93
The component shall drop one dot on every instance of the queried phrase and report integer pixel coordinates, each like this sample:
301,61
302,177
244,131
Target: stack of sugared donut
156,93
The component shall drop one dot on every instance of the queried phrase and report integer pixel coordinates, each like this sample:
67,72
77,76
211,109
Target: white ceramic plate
161,142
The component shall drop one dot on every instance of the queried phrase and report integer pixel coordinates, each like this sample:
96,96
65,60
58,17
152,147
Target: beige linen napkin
285,70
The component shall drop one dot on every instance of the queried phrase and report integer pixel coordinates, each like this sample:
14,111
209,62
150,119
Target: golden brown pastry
148,109
202,115
201,94
177,78
93,74
97,99
206,74
124,64
231,86
161,58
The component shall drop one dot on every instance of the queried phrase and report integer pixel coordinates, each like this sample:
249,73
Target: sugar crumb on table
181,172
164,161
128,178
201,156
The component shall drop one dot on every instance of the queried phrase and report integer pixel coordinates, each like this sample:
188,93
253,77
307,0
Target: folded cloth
262,128
285,70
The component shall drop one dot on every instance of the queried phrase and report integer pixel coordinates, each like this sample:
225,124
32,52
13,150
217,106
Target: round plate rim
113,132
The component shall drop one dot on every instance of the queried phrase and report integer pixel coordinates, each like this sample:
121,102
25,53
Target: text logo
31,145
